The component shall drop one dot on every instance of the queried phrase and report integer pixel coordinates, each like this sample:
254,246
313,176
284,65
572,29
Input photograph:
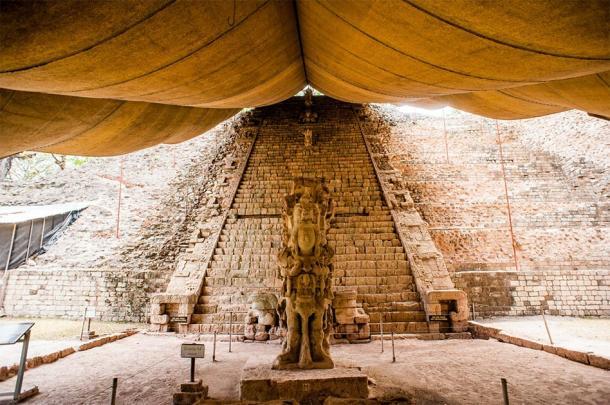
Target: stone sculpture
261,319
309,116
351,322
306,272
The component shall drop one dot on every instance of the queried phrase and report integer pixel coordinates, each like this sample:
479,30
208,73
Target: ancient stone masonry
183,289
442,301
306,272
556,188
369,256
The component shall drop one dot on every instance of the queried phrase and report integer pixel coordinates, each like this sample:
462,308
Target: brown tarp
127,63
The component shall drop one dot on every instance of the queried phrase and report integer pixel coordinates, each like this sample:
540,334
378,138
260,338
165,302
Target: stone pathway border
7,372
481,331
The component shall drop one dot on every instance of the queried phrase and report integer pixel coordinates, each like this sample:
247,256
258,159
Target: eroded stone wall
559,204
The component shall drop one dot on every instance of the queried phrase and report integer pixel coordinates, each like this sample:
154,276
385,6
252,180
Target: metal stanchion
548,332
230,331
393,352
381,329
214,349
505,390
115,383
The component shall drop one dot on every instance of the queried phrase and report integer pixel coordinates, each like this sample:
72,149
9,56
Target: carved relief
309,116
306,273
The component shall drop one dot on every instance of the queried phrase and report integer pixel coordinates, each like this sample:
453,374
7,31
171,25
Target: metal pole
214,349
393,352
118,211
22,364
82,328
115,384
230,330
192,369
505,390
10,249
510,216
381,329
548,332
474,314
27,252
445,136
44,223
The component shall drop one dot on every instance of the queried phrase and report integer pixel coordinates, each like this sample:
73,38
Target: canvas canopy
109,77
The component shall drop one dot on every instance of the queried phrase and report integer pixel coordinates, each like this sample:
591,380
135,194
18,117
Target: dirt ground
450,371
584,334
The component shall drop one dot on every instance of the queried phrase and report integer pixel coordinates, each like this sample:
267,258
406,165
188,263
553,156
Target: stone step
401,327
397,316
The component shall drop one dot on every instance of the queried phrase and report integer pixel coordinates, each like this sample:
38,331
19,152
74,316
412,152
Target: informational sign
438,317
10,333
192,350
90,312
179,319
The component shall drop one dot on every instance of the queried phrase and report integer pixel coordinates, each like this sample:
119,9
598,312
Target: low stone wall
561,292
117,295
485,332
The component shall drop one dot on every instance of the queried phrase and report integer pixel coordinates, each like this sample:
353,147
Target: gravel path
450,371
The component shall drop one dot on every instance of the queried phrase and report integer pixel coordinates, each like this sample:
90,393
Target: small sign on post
192,351
89,314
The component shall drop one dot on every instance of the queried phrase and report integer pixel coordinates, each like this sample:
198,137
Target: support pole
192,369
214,349
27,252
474,313
548,332
115,384
118,211
505,391
381,329
393,352
8,261
445,137
230,330
510,216
10,249
44,223
22,365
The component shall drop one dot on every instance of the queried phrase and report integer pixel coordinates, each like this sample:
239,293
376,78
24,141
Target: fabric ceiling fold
95,127
162,51
589,93
413,49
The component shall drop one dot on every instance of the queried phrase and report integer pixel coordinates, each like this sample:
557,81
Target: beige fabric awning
113,76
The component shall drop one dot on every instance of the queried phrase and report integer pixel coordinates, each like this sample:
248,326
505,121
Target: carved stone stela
306,272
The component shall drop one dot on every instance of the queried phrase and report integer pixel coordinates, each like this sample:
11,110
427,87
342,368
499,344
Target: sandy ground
51,335
584,334
451,371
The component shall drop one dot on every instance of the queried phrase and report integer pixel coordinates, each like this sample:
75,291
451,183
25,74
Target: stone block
573,355
599,361
261,383
159,319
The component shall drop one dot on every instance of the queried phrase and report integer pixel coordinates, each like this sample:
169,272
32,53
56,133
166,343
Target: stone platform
260,383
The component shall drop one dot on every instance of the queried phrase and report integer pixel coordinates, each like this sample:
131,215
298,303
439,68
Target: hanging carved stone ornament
306,273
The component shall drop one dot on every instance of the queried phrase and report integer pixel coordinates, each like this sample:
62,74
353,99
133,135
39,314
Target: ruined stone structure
369,251
306,272
560,217
262,319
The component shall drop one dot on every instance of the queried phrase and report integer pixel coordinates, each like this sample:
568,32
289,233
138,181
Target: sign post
11,334
192,351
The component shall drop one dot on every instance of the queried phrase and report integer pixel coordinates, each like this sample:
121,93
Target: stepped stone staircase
369,255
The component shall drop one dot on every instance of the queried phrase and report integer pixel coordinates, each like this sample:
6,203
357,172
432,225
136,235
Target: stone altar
306,273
